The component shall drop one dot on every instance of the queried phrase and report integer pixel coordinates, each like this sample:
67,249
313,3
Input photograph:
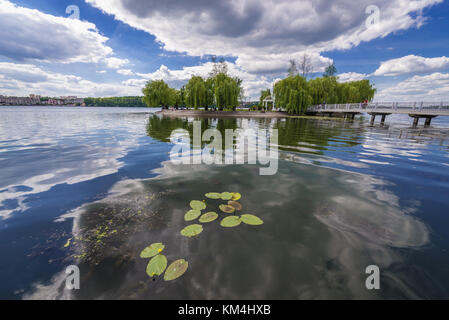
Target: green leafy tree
196,93
227,91
365,90
115,102
355,91
210,92
330,71
292,94
181,97
324,90
159,94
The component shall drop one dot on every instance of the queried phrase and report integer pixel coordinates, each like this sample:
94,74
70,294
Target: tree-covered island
294,94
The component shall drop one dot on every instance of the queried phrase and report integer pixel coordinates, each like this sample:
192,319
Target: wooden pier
416,110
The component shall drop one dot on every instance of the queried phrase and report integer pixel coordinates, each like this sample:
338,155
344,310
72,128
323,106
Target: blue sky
118,45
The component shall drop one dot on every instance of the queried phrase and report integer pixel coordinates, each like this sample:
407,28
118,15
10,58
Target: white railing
412,106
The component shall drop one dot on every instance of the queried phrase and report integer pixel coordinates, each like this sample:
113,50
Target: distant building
19,101
55,102
34,99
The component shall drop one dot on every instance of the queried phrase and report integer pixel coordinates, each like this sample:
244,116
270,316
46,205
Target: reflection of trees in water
314,134
161,128
317,135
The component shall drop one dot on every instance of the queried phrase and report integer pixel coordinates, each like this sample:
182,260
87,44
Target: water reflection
314,243
161,128
44,147
342,200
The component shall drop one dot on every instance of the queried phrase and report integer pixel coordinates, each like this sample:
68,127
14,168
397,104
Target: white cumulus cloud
251,29
412,64
22,79
115,63
27,34
433,87
351,76
125,72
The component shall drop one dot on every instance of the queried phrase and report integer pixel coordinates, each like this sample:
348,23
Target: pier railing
399,107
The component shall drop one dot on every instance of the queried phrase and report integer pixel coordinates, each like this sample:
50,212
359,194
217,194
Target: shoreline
236,114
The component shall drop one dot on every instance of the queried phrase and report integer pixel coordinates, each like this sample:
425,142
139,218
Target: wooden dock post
416,118
428,120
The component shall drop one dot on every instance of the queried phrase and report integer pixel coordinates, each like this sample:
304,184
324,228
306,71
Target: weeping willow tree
356,91
159,94
292,94
196,93
219,89
296,94
180,97
227,91
324,90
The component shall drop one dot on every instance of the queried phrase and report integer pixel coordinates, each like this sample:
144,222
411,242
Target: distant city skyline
35,99
116,46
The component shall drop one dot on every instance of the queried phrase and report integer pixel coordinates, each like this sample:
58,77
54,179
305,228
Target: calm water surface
93,187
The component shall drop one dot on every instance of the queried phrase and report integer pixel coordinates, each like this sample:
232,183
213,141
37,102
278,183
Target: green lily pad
208,217
197,205
226,196
227,208
157,265
251,220
176,269
236,205
192,215
213,195
236,196
192,230
152,250
67,244
230,222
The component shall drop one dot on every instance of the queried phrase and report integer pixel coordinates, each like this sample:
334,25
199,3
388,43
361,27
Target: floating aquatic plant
229,222
157,265
192,230
152,250
192,215
208,217
234,221
213,195
251,220
67,244
236,205
176,269
197,205
226,208
236,196
226,196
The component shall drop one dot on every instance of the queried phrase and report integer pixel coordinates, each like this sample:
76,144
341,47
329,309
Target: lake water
93,187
